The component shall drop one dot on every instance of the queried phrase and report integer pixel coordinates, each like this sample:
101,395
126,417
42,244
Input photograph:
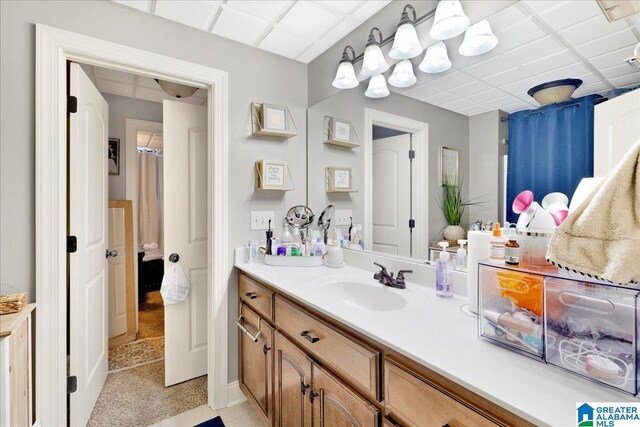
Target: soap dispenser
461,256
443,280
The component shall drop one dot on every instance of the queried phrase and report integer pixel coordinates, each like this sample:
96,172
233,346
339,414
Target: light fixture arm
372,38
404,19
345,55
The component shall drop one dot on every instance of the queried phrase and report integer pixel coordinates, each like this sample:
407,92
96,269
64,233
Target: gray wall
446,128
121,108
254,75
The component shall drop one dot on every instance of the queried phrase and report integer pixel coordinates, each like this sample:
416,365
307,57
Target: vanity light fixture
377,87
450,20
176,89
402,74
478,39
346,75
405,42
436,59
373,62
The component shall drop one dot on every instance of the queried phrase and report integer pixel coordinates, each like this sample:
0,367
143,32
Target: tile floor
240,415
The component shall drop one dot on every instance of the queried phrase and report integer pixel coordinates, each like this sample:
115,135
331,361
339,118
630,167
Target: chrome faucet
387,279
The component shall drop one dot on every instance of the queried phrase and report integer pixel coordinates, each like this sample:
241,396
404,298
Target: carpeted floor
151,316
136,353
137,397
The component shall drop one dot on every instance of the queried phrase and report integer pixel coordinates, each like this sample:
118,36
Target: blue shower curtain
550,149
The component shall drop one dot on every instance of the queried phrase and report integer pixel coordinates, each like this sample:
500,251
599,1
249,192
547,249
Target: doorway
54,48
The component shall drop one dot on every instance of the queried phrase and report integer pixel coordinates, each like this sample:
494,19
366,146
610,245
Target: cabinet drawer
413,402
256,295
349,358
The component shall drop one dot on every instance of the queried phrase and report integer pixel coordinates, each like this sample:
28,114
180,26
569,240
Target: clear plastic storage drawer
511,308
592,331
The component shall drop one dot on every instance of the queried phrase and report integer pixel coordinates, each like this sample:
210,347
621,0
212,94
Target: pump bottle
461,256
444,287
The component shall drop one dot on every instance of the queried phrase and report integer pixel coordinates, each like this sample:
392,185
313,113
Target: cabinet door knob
265,349
312,396
251,295
303,388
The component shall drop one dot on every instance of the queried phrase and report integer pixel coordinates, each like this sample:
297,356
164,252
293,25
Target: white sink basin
363,296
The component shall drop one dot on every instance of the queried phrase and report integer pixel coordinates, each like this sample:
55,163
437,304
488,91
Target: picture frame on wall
113,153
275,118
272,174
449,166
339,179
341,130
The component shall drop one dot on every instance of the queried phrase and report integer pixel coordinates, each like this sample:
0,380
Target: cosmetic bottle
512,251
253,251
443,280
355,239
496,245
360,235
286,238
461,256
274,246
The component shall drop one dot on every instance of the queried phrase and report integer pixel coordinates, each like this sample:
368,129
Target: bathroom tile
250,419
190,418
235,412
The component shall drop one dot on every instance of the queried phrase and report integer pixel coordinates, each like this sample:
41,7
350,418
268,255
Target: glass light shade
377,87
436,59
176,89
345,76
449,21
405,43
478,39
373,62
402,74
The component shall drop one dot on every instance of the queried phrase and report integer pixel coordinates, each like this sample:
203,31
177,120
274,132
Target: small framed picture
113,153
275,117
272,174
341,130
449,166
339,179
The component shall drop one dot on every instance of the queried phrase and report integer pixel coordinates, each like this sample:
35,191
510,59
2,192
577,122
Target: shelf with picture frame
270,120
339,132
339,180
273,175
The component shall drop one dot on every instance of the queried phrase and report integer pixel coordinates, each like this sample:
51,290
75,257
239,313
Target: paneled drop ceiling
539,41
299,30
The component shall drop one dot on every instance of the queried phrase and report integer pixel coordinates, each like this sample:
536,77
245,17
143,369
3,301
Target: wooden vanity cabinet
256,361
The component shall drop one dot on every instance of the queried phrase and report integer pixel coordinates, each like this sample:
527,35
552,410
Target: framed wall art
449,166
113,153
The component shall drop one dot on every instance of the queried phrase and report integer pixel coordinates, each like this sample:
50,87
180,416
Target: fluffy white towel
602,237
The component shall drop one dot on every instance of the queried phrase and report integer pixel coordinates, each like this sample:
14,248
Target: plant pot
454,232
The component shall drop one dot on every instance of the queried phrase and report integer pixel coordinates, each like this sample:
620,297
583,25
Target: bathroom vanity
337,348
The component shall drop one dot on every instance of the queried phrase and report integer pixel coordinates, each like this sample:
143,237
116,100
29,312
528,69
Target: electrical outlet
343,217
260,220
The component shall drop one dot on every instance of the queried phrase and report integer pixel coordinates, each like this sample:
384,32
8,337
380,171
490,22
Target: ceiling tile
338,32
512,108
486,96
589,78
239,26
590,89
143,5
197,14
567,13
458,104
608,43
506,18
475,110
505,100
268,10
591,29
285,44
548,63
440,98
314,51
369,8
628,80
343,7
422,92
116,76
614,57
452,80
147,82
308,21
470,88
155,95
517,35
540,5
619,71
115,88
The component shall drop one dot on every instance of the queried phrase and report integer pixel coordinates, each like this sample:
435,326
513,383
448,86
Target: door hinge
412,223
72,104
72,384
412,154
72,244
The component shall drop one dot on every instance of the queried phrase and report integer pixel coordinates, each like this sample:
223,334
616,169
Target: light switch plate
343,217
260,220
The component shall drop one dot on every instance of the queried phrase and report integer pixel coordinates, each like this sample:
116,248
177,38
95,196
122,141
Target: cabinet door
256,361
292,384
335,405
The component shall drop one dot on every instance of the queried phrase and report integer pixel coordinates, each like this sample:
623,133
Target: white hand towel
175,285
602,237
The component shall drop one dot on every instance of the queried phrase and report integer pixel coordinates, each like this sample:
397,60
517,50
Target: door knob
174,258
111,253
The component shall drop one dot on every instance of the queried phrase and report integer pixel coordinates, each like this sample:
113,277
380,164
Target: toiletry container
496,244
444,288
461,256
533,246
592,329
477,250
511,308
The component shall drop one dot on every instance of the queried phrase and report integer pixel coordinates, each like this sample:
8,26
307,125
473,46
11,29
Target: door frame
53,48
420,141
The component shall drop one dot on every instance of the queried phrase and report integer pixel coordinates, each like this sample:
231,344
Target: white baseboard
234,394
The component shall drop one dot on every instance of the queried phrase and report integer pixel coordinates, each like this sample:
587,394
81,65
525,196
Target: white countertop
437,334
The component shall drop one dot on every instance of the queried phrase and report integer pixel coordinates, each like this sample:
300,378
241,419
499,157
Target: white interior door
616,129
117,303
391,195
88,272
185,233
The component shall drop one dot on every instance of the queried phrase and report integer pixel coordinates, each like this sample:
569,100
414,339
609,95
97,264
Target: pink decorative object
560,216
522,202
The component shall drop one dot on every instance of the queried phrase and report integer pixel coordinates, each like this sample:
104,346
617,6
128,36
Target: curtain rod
392,37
